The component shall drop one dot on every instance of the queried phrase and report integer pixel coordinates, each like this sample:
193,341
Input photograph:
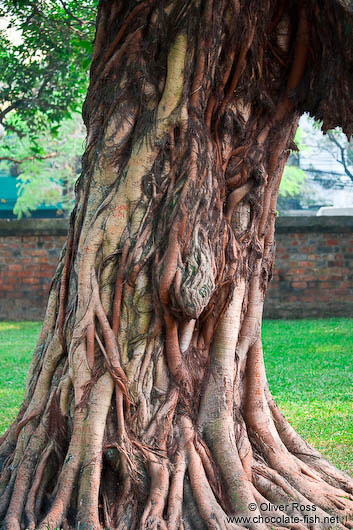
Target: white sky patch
14,35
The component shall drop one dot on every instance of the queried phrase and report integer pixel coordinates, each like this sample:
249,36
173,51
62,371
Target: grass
17,342
310,372
309,367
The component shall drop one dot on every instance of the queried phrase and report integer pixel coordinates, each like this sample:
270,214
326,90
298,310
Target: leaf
54,130
85,44
292,180
86,62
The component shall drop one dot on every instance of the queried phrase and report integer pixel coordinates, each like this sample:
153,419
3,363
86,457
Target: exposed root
176,494
301,449
38,478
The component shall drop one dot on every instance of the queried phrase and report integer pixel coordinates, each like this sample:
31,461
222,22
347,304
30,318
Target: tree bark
147,405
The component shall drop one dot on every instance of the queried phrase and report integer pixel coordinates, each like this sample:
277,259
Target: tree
306,180
332,146
45,50
147,404
341,150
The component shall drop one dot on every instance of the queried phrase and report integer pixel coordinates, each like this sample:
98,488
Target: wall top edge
284,225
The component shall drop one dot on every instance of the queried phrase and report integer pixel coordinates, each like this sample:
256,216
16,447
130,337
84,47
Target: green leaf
85,44
292,180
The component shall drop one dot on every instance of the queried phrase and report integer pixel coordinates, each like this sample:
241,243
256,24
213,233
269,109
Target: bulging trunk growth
147,405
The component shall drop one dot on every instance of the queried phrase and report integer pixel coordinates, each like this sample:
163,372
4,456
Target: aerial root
290,481
266,510
209,468
152,517
39,398
23,477
191,516
265,438
210,511
67,477
6,495
63,392
38,477
119,288
5,476
166,410
175,499
22,423
126,507
91,465
110,351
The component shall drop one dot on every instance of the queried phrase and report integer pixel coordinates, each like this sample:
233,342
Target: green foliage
50,178
292,180
300,140
293,177
45,52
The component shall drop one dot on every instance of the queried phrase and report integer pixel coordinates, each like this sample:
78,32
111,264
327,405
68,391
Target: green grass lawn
17,342
310,371
309,368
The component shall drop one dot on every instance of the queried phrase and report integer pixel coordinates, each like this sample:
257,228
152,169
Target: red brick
31,280
299,285
14,267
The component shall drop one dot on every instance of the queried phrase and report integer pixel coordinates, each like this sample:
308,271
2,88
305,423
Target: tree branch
69,12
33,157
58,22
9,109
343,158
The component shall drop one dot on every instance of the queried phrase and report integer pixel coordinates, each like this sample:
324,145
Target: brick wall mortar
313,275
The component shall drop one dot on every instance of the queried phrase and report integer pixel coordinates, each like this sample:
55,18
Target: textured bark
147,405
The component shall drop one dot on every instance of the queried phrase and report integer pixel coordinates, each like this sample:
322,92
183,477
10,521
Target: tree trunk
147,405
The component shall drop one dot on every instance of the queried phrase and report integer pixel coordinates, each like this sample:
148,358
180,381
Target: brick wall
29,253
313,273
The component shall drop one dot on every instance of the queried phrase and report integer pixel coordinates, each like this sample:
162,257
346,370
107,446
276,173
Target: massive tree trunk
147,405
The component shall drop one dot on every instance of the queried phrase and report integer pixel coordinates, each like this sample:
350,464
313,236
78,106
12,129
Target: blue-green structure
8,198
